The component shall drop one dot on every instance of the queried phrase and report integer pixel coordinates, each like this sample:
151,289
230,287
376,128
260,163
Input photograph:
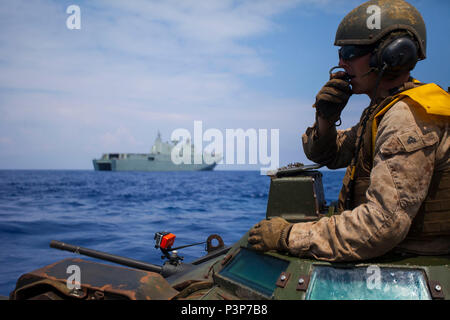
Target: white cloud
119,136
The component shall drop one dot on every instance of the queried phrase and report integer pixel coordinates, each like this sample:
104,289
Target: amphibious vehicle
237,272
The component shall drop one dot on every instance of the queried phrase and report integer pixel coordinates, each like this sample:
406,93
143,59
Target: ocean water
119,212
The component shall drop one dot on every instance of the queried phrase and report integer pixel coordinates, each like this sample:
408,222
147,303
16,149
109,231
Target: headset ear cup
400,54
396,55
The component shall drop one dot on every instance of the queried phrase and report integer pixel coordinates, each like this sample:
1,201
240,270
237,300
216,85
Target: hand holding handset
334,95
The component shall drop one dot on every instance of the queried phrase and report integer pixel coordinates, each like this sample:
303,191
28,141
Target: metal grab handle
106,256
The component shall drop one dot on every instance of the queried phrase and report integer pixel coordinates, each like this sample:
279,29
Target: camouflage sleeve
403,165
335,150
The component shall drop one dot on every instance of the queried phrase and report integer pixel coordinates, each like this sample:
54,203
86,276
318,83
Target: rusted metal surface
227,258
302,283
283,279
436,289
195,290
210,247
98,282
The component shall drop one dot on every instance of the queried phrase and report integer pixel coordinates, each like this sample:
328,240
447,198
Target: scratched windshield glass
367,283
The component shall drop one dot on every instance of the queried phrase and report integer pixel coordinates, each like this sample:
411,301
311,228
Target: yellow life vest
430,96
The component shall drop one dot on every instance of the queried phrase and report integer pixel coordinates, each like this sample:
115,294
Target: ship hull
145,165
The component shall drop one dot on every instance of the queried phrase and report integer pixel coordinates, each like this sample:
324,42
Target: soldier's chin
356,89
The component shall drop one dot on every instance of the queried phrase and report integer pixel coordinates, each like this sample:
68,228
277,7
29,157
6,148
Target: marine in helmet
396,191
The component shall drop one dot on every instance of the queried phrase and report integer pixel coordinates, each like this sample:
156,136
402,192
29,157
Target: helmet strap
372,69
377,84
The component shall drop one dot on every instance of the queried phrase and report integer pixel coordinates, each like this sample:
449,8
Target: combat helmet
375,20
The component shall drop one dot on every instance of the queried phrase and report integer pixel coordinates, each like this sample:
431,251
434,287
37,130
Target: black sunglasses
351,52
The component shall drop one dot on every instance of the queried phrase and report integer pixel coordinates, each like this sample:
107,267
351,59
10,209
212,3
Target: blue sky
67,96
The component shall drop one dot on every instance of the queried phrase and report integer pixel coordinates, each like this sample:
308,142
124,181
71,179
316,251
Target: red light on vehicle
167,240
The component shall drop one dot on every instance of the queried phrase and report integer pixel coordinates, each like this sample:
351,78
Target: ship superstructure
159,159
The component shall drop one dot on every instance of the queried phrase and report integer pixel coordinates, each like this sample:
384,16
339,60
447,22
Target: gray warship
159,159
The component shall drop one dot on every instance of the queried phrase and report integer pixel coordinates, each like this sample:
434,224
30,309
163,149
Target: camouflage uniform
396,191
411,148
